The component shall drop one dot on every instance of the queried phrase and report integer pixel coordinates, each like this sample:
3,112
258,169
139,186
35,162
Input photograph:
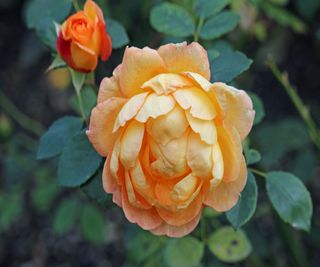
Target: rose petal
101,123
182,57
109,87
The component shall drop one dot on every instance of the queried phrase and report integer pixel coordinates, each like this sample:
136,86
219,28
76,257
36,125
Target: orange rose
83,38
172,139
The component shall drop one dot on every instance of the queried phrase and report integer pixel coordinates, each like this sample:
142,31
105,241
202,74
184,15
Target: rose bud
83,39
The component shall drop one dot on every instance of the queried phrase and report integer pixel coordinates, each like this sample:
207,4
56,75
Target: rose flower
83,39
172,139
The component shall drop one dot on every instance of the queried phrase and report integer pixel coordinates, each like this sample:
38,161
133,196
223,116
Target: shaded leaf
258,107
117,33
89,100
207,8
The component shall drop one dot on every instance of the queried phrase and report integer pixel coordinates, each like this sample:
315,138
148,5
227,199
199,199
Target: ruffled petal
139,66
226,195
197,101
84,59
182,57
176,231
239,109
131,142
109,87
102,119
170,126
199,156
155,106
218,165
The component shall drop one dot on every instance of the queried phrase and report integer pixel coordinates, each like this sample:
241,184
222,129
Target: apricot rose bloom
83,39
172,139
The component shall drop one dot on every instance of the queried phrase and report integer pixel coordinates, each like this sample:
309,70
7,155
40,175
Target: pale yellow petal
155,106
182,57
165,128
218,165
206,129
199,156
129,110
166,83
131,142
197,101
184,188
139,66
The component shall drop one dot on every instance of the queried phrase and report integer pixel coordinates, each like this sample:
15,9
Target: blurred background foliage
42,224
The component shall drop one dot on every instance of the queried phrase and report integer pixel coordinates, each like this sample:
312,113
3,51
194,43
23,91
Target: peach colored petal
131,142
182,57
184,188
226,194
206,129
101,123
93,10
231,148
146,219
139,66
199,156
109,183
177,231
170,126
197,101
114,160
218,165
109,87
155,106
239,109
166,83
129,110
170,159
182,216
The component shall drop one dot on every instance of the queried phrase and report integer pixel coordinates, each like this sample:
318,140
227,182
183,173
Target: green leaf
284,17
94,189
290,198
44,194
78,79
258,107
213,54
93,225
253,156
219,25
11,208
228,66
207,8
229,245
141,245
118,34
66,215
57,62
38,10
246,206
78,162
89,100
59,133
187,251
172,19
308,9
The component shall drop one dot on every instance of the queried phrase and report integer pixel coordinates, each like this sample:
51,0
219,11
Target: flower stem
197,32
260,173
304,112
22,119
81,107
76,5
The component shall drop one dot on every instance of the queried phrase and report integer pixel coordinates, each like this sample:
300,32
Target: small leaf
258,107
11,208
43,195
253,156
57,62
290,198
187,251
89,100
172,19
59,133
66,215
246,206
228,66
207,8
229,245
93,225
78,79
118,34
219,25
94,189
213,54
78,162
